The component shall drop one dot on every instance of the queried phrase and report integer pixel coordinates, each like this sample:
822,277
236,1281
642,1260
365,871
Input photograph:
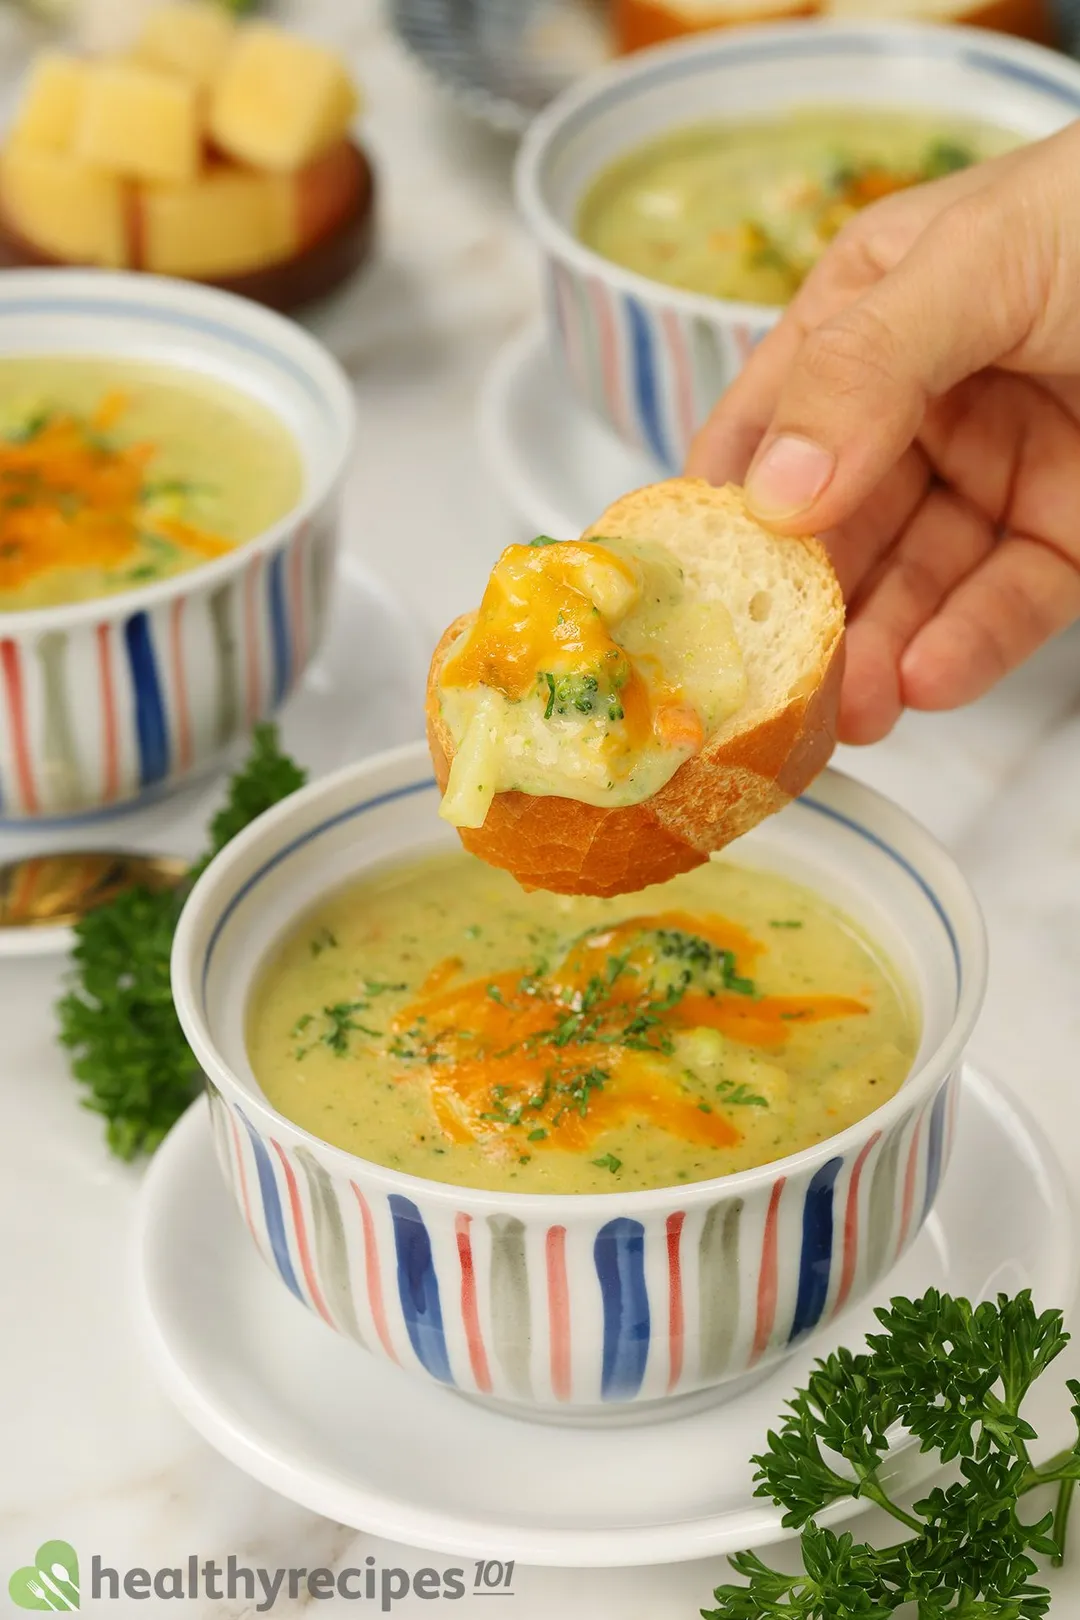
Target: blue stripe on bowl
815,1259
279,628
418,1288
934,1147
151,726
893,854
619,1257
272,1212
646,390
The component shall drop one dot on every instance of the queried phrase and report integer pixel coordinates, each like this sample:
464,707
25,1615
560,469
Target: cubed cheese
64,207
191,39
280,100
227,222
51,104
139,122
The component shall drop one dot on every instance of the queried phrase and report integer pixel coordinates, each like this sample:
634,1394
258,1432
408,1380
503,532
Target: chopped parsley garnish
946,157
340,1024
501,1111
543,540
608,1162
785,922
579,1088
30,428
324,940
174,486
737,1095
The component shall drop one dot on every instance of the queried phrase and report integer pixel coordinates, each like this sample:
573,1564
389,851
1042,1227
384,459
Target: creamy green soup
436,1019
744,210
115,474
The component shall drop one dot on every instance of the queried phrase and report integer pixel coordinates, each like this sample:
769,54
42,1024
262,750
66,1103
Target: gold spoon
54,891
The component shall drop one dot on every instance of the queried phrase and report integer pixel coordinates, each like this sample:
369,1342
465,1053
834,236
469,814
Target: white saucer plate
364,692
557,466
315,1418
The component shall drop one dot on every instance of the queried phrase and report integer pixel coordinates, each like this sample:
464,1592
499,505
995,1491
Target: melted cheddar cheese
591,671
116,474
433,1018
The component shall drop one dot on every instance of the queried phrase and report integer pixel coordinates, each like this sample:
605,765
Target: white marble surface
89,1448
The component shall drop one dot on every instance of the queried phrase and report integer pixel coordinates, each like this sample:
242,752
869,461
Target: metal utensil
502,60
55,890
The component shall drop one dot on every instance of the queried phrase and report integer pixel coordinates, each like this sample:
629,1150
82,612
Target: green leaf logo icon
50,1582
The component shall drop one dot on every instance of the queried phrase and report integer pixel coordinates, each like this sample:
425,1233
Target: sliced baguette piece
788,614
639,23
1031,19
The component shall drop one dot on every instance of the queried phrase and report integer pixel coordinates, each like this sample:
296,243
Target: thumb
859,383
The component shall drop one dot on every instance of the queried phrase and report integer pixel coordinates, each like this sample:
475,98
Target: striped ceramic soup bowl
121,697
614,1304
651,360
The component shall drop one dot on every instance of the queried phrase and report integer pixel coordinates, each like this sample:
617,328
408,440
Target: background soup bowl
109,700
651,360
570,1306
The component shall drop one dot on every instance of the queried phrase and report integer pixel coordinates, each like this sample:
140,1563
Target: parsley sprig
956,1377
334,1025
117,1017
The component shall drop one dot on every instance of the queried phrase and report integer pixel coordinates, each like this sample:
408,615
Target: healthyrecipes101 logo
52,1582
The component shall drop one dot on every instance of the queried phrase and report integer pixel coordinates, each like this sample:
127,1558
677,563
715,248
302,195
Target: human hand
918,405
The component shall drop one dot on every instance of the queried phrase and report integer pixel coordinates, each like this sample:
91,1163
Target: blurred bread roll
638,23
1032,19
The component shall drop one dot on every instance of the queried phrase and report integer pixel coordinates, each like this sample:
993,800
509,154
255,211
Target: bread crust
568,847
1029,19
638,24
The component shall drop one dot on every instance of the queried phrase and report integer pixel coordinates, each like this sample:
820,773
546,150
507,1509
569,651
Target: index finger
860,256
871,245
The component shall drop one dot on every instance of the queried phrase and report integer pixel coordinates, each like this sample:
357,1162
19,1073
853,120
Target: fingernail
789,476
